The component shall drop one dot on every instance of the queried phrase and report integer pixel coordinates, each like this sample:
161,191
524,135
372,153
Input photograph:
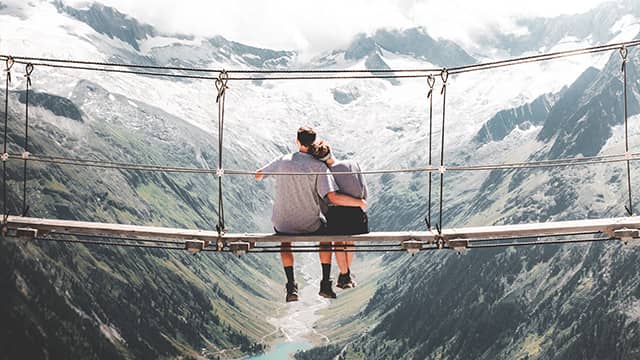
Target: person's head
322,151
305,139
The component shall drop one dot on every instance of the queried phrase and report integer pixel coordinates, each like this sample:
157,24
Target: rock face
505,121
414,42
598,25
109,21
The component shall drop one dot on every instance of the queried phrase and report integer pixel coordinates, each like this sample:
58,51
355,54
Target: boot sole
327,296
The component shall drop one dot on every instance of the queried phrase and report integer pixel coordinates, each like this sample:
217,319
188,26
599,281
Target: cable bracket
219,172
431,81
623,52
4,157
444,75
9,64
221,84
28,70
25,155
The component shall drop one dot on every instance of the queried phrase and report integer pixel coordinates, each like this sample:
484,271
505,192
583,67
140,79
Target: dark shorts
321,231
346,220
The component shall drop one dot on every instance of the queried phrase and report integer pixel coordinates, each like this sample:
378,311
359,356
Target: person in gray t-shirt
345,220
299,205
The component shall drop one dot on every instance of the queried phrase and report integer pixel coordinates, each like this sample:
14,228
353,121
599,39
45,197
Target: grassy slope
158,304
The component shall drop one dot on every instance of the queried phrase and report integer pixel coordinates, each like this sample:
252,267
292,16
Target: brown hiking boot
292,292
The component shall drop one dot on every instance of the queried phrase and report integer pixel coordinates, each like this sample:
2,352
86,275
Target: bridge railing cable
105,164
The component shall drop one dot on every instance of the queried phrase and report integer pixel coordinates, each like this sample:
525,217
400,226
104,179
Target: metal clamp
4,157
444,75
22,233
219,172
442,169
9,64
27,73
25,155
221,84
431,81
625,235
194,246
412,246
458,245
623,52
239,248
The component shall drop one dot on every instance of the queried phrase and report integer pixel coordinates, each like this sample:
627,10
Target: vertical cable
431,82
623,53
445,76
221,86
25,155
5,156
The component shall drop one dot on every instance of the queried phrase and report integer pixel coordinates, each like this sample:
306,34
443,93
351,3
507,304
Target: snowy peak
109,21
414,42
612,21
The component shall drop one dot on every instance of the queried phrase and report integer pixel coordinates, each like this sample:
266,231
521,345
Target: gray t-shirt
350,184
299,202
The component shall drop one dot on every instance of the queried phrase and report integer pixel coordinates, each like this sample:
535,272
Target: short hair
306,136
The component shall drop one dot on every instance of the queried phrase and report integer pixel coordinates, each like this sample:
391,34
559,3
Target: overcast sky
313,26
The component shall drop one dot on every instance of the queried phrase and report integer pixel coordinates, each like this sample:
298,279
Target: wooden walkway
626,229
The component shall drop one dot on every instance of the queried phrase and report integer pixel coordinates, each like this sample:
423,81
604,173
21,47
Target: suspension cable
104,164
536,243
90,65
236,78
431,81
211,70
5,156
444,75
221,86
541,57
623,53
25,155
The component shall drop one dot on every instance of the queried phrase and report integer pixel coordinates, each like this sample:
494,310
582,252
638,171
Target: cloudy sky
313,26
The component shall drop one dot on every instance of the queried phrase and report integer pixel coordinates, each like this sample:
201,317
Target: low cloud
312,27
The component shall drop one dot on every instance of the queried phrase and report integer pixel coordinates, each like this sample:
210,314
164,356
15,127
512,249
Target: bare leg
286,254
325,253
342,258
349,255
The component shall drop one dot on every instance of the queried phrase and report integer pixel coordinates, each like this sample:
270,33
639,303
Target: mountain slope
547,302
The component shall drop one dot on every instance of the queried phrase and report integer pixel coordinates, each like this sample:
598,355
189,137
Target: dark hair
306,136
320,150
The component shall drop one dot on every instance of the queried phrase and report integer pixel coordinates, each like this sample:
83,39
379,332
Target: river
297,319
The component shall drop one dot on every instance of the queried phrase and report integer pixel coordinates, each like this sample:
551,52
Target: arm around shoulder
337,198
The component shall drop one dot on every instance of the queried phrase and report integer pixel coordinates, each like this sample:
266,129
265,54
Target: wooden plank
426,236
95,228
606,226
476,233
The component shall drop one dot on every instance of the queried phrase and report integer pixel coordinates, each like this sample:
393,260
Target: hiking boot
292,292
345,281
326,290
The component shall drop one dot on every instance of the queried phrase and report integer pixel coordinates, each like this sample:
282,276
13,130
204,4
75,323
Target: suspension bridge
434,237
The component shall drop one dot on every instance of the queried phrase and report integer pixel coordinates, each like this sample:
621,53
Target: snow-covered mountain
544,110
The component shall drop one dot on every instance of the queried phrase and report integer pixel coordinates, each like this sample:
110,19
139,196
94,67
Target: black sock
326,272
288,270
